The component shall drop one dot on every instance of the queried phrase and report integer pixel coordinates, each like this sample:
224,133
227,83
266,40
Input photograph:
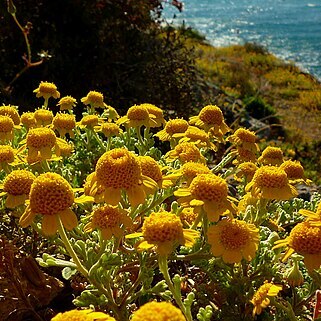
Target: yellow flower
188,215
197,136
164,232
109,129
245,139
43,117
82,315
28,120
158,113
95,99
47,90
185,152
172,128
210,118
247,170
118,170
304,239
67,103
233,240
41,141
158,311
295,171
111,113
261,299
50,196
271,156
313,217
89,121
209,192
110,220
151,169
6,128
245,155
246,201
64,124
137,116
17,187
12,112
271,182
7,156
64,149
190,170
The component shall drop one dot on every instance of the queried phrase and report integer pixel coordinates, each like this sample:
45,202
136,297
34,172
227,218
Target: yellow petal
27,217
13,201
68,218
106,233
112,196
84,199
136,195
49,225
182,192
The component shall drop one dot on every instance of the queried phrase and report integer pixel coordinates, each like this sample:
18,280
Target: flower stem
163,267
70,250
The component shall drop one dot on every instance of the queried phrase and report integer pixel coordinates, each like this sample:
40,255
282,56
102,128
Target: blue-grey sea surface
290,29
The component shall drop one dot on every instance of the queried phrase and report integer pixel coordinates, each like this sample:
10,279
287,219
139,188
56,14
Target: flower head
158,311
164,231
158,113
138,116
271,182
261,299
47,90
28,120
95,99
209,192
245,139
41,141
7,156
211,117
17,185
111,113
245,155
89,121
50,196
190,170
64,149
64,124
110,220
119,170
271,156
110,129
12,112
172,128
247,170
294,170
67,103
6,128
43,117
304,239
233,240
185,152
82,315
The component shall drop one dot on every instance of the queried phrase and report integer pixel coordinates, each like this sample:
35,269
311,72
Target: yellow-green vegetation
249,70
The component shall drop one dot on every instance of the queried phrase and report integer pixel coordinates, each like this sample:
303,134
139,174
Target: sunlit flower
245,155
158,113
109,129
47,90
295,171
313,217
110,220
197,136
12,112
245,139
82,315
64,149
210,117
233,240
152,169
271,156
64,124
209,192
50,196
164,232
111,113
246,170
188,215
172,128
118,170
185,152
261,298
158,311
304,239
95,99
67,103
41,141
245,201
137,116
271,182
7,156
17,186
28,120
43,117
6,129
89,121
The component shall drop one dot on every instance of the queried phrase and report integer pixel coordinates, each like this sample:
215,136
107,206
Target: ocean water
290,29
